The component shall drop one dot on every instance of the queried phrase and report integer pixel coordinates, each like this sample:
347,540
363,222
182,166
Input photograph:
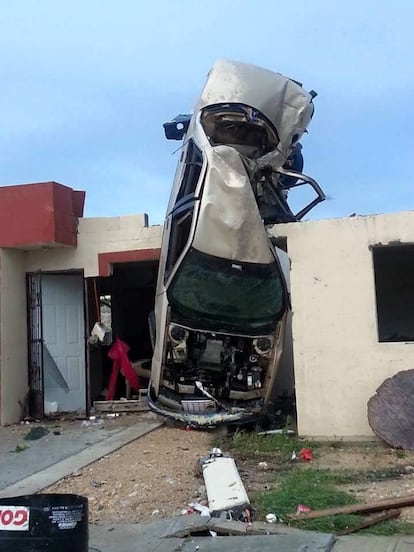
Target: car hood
229,223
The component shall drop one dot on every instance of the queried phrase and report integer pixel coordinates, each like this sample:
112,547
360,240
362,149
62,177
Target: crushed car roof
282,100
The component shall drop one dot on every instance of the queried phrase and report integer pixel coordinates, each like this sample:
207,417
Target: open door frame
35,342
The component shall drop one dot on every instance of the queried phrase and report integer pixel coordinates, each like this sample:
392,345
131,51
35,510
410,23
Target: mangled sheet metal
267,97
222,297
237,233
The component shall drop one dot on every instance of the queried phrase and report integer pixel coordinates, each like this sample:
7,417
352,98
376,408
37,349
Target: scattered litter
155,512
294,455
306,454
200,508
36,433
302,509
96,484
271,518
112,415
95,422
213,533
277,432
56,432
263,465
187,511
20,447
98,332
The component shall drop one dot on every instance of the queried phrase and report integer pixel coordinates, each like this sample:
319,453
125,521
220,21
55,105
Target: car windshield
229,294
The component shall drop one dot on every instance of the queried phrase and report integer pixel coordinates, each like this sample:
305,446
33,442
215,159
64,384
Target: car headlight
263,345
177,333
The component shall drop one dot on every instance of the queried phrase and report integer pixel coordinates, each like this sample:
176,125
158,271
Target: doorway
122,302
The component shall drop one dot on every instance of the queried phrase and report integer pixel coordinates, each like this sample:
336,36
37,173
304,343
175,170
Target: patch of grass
252,443
318,490
313,488
389,528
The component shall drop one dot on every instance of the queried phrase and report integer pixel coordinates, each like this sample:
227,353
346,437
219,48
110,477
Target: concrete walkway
161,536
68,462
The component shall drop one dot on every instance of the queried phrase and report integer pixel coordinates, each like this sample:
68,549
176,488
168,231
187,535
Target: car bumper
203,420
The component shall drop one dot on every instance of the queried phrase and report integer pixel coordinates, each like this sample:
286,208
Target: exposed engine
229,368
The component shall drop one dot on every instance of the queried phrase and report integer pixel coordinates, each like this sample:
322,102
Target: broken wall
338,359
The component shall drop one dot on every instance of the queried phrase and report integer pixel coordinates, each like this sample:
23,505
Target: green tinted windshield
224,292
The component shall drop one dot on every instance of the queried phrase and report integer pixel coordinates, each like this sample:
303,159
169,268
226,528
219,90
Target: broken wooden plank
391,410
121,406
365,508
373,520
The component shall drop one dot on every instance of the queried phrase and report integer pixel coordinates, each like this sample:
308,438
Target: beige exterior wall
13,335
339,362
97,235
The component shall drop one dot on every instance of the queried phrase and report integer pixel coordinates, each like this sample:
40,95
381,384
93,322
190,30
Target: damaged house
61,274
352,296
70,286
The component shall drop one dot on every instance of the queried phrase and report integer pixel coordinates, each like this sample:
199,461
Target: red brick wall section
26,215
39,214
106,260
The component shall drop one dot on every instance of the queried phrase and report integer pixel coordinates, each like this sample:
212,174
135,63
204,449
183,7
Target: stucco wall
13,335
97,235
338,360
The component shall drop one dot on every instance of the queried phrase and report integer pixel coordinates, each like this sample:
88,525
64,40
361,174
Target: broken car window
240,126
180,232
192,170
239,295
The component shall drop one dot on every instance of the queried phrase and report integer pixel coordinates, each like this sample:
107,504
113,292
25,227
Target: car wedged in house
222,298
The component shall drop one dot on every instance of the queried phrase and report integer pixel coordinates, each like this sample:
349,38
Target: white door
63,342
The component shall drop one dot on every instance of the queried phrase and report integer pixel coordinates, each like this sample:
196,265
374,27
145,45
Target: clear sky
87,84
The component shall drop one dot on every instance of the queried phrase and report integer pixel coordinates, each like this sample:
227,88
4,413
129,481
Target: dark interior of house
122,302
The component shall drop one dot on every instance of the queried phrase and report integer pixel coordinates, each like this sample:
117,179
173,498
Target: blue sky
86,86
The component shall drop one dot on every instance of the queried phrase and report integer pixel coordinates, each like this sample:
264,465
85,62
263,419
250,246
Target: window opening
394,290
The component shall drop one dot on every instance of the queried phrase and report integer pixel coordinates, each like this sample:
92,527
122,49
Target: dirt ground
151,477
396,480
155,476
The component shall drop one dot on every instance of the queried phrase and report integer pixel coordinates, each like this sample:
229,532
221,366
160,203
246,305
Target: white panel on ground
225,489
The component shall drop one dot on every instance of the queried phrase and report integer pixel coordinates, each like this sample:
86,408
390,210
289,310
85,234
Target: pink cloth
119,354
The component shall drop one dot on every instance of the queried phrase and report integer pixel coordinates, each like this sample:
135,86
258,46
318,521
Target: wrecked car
222,298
